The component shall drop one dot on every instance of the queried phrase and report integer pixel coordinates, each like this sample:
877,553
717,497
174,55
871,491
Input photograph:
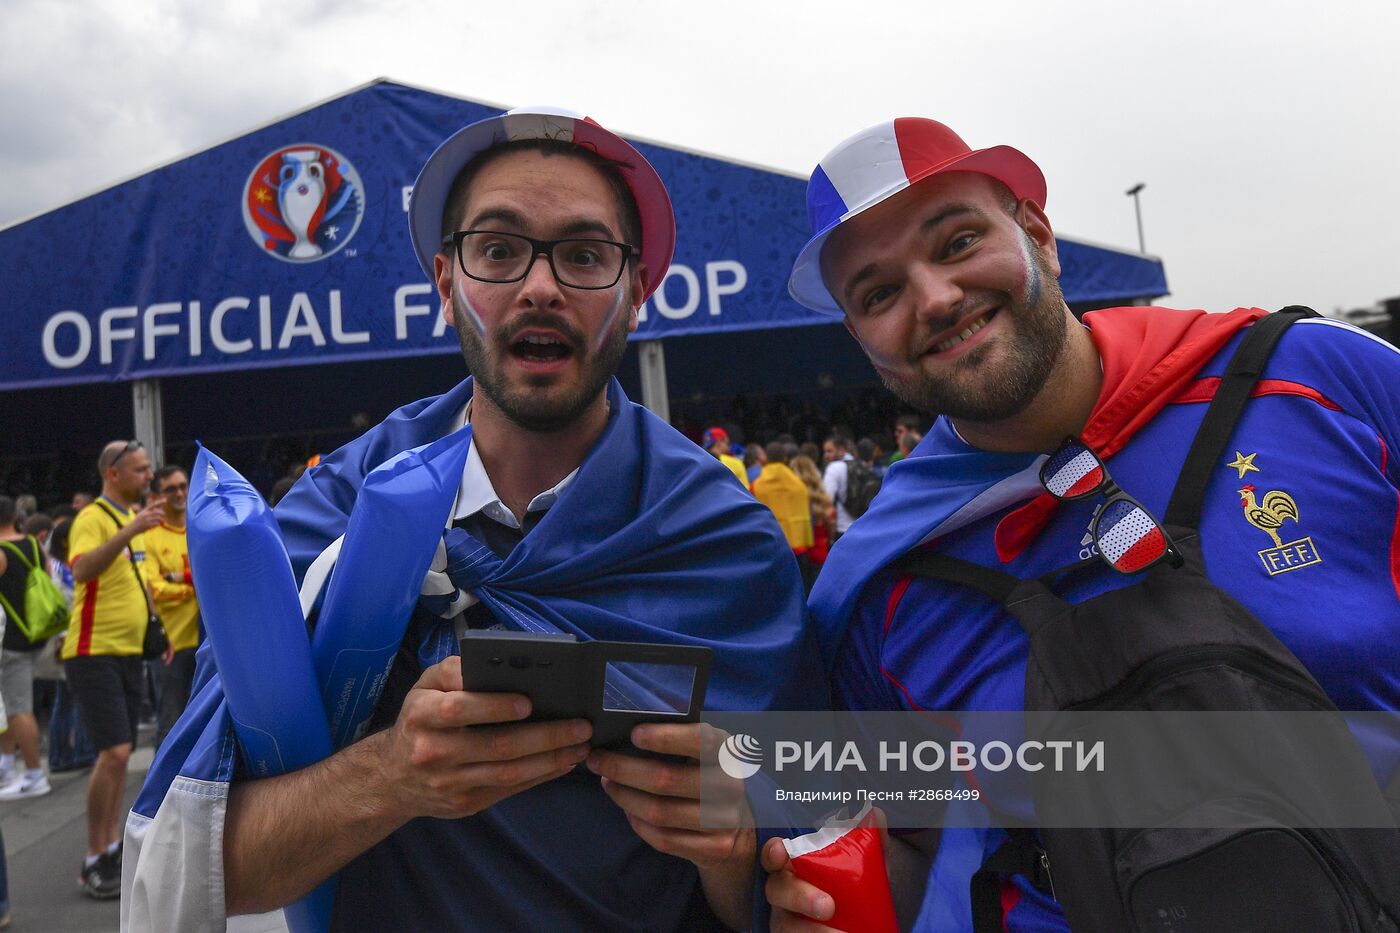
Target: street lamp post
1137,209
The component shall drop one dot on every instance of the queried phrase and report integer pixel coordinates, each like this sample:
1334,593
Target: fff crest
303,203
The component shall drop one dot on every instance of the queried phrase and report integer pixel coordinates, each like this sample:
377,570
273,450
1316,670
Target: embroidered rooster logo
1268,516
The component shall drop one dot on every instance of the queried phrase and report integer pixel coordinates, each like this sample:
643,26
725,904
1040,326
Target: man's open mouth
540,348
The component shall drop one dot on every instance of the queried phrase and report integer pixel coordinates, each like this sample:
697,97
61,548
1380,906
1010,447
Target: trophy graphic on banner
301,190
302,202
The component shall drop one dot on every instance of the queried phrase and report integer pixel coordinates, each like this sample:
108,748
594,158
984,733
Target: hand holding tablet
613,685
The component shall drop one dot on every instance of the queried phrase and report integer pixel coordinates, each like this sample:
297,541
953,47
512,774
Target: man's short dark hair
865,449
58,540
777,452
163,474
37,523
909,422
7,511
840,440
626,203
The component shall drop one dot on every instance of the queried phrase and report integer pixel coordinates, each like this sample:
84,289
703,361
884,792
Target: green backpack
45,609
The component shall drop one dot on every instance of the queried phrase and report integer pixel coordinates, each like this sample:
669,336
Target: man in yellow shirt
716,441
172,589
102,650
783,491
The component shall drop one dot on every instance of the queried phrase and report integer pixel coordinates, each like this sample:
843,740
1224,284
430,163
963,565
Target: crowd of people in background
78,698
814,492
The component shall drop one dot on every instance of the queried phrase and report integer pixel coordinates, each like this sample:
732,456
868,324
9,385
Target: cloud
1264,128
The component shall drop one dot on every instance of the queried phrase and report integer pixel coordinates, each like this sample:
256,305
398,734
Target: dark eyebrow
928,226
579,227
497,214
951,210
513,219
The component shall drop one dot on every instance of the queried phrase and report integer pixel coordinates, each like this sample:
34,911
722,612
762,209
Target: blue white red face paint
1031,291
619,304
462,305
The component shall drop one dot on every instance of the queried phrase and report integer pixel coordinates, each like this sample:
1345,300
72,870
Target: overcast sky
1268,132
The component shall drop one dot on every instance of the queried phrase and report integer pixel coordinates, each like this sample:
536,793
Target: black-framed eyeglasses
500,258
1126,535
130,446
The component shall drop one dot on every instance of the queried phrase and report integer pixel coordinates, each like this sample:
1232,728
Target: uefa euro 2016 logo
303,203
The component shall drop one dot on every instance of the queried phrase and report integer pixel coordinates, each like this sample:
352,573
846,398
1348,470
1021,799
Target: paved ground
45,839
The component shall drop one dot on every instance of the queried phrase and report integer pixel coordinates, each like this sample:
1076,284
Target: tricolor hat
880,162
434,182
713,436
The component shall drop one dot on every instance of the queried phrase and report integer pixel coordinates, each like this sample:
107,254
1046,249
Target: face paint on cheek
611,320
890,375
886,366
1030,296
463,306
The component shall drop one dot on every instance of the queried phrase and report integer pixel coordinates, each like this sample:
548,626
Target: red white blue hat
878,163
434,182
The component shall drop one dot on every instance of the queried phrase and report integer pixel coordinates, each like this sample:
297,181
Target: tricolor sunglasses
1126,535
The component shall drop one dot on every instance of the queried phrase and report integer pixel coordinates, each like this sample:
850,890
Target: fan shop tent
221,266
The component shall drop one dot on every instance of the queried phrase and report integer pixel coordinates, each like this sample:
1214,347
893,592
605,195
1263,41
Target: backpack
45,610
861,486
1176,642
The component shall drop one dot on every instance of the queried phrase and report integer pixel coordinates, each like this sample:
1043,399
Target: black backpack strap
11,546
1056,577
1239,380
1020,854
994,583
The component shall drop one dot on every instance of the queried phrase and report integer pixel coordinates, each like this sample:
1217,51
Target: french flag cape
652,541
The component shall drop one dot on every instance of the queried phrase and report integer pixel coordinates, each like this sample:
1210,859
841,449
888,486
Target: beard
977,389
542,405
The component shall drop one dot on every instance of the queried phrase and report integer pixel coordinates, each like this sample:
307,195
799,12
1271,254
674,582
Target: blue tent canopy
288,245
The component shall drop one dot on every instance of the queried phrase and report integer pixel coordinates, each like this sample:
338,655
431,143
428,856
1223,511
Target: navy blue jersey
1322,434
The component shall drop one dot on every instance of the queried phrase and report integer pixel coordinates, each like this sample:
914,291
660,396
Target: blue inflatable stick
392,534
248,600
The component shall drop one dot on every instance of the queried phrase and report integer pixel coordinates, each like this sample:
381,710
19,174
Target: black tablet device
613,684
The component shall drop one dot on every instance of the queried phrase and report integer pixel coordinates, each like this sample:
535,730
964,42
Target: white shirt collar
476,494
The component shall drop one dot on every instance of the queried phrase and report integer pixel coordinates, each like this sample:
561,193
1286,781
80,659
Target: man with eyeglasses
578,513
172,592
942,264
102,649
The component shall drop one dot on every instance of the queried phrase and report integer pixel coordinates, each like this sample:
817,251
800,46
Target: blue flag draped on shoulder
651,541
268,697
648,543
943,485
390,538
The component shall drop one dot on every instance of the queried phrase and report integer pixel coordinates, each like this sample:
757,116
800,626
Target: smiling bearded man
942,264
